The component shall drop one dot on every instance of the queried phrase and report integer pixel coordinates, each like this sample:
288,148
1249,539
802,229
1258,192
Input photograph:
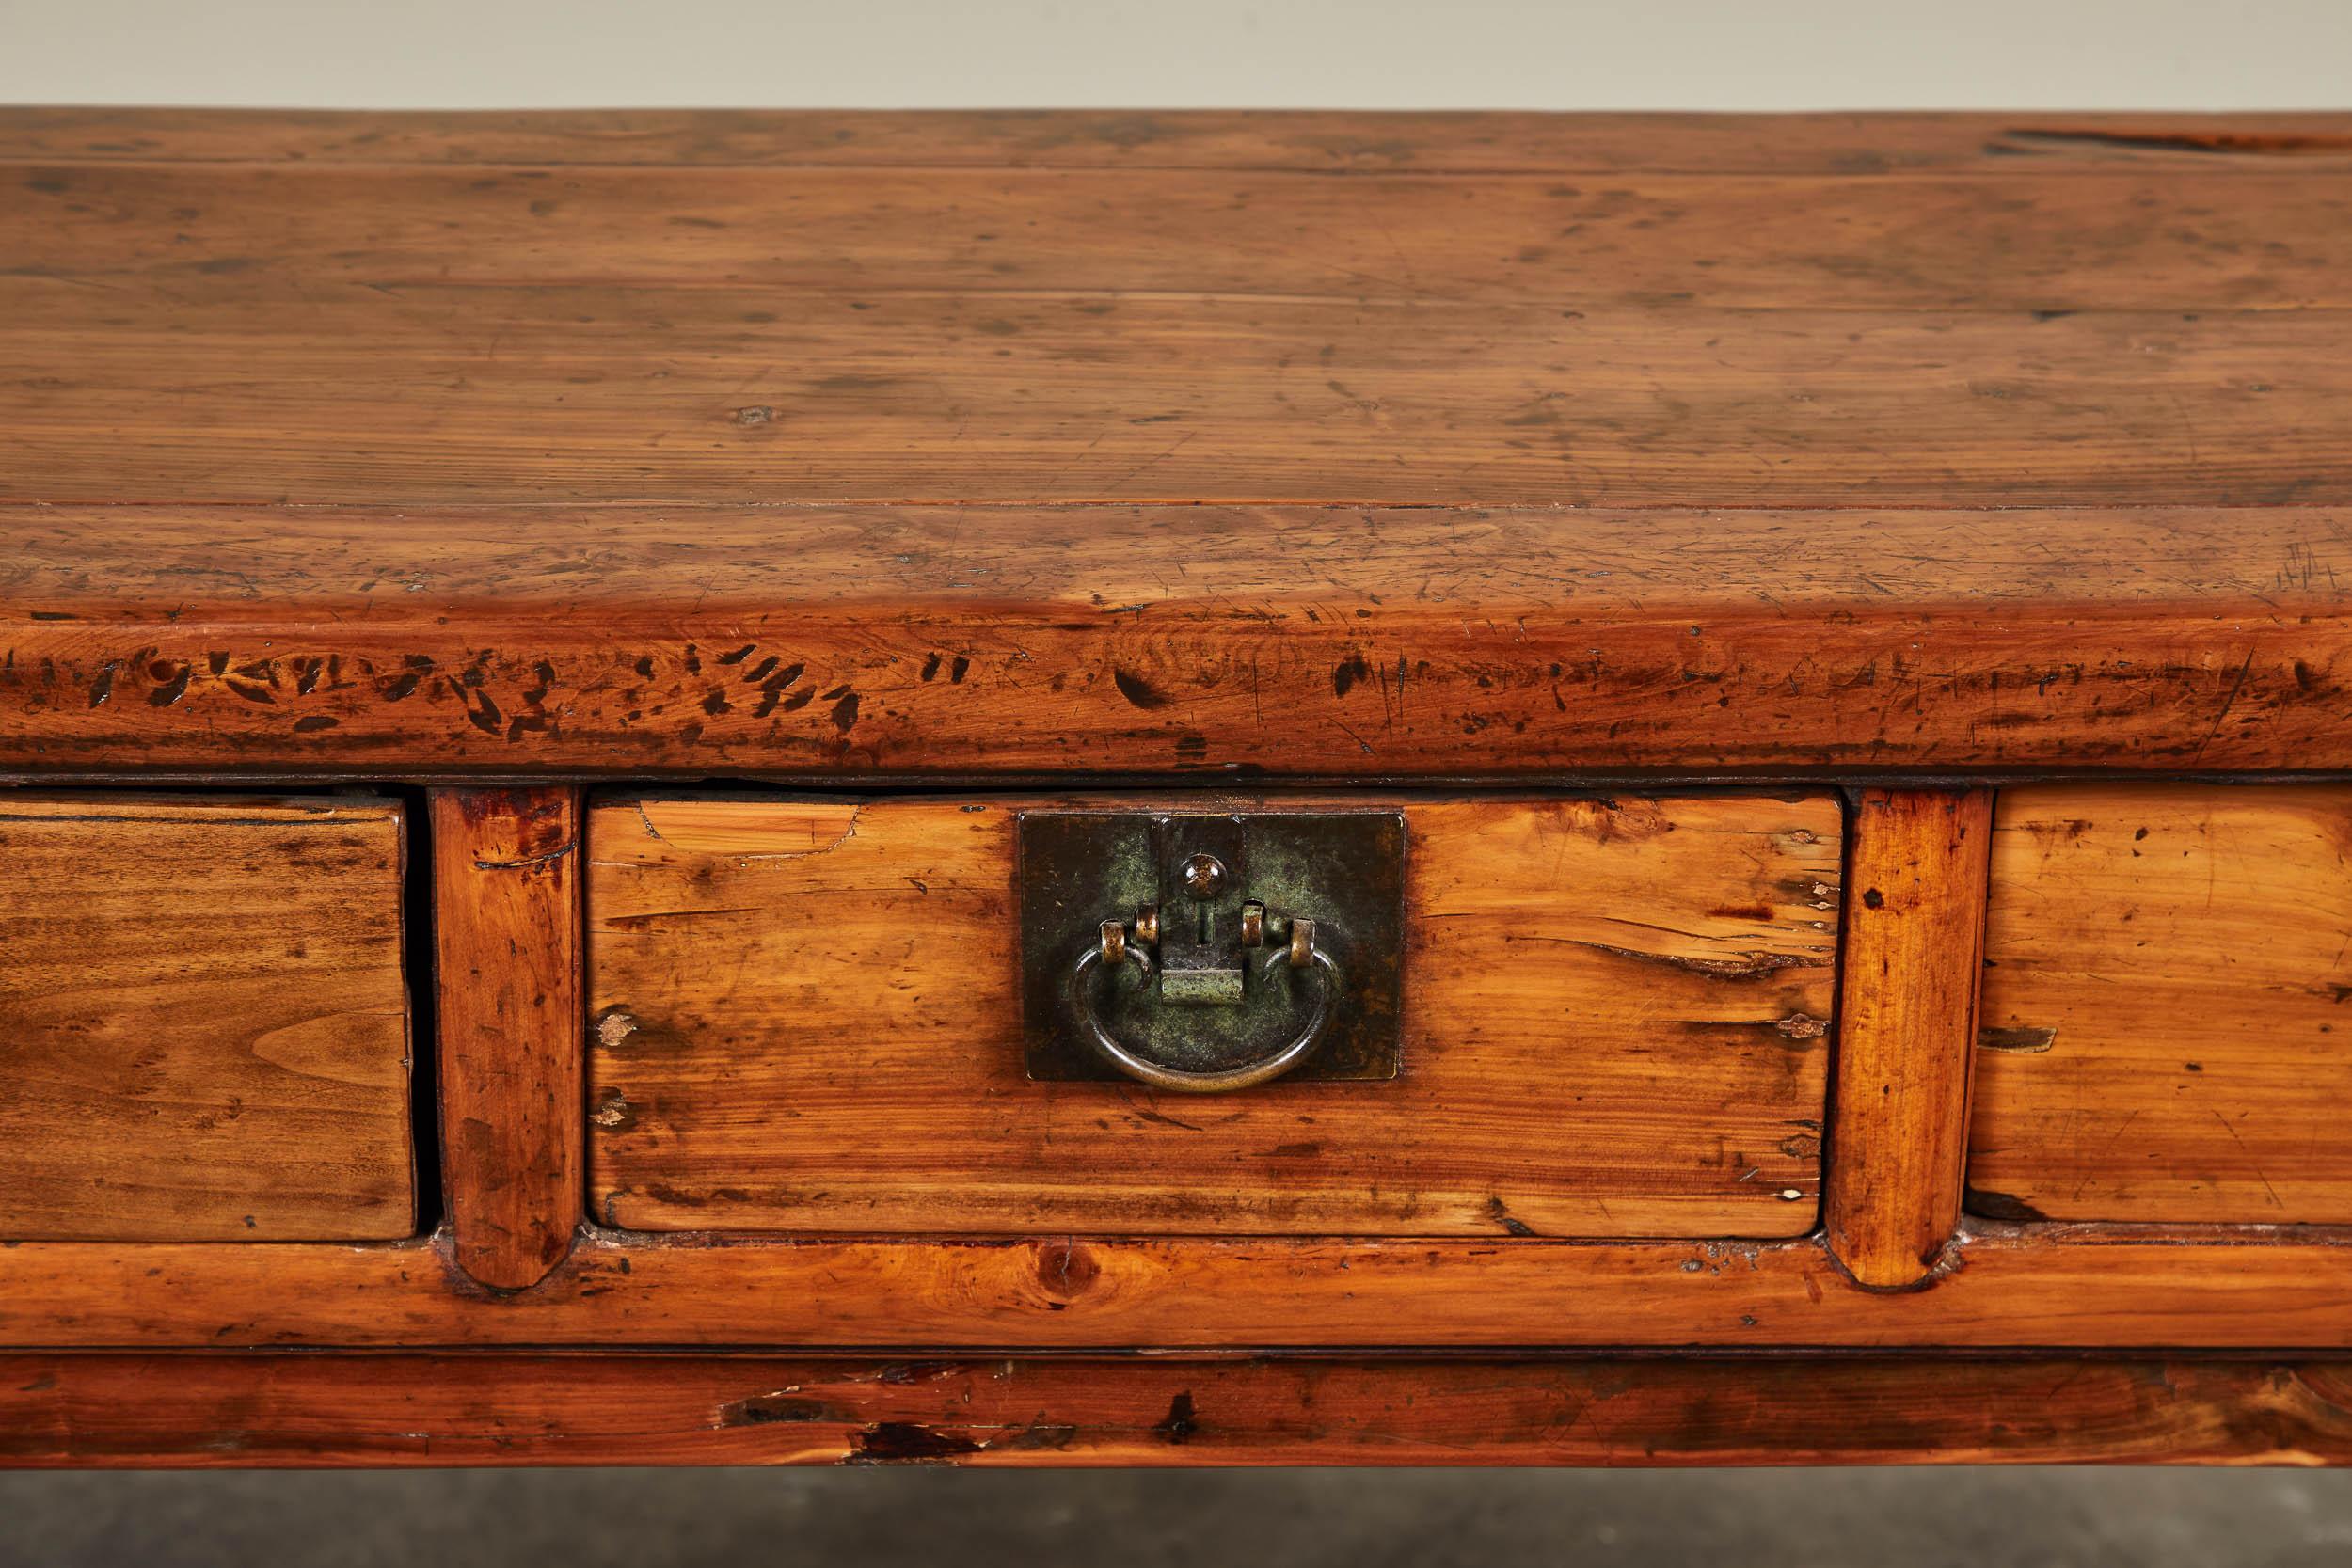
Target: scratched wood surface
203,1021
891,394
1010,639
310,1410
506,388
1665,246
805,1017
2164,1033
1710,322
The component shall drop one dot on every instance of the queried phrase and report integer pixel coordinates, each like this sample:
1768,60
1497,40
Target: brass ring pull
1160,1077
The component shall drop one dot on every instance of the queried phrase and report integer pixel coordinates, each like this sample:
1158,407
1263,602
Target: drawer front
2164,1035
806,1015
203,1020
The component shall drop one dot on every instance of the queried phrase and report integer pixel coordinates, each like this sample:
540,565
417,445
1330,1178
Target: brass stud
1253,923
1302,941
1114,944
1204,876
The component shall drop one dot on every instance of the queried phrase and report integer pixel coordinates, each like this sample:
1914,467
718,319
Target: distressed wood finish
1033,245
2165,1038
2031,1288
490,1409
509,454
605,390
506,929
2029,146
1194,639
668,351
203,1021
1906,1028
807,1018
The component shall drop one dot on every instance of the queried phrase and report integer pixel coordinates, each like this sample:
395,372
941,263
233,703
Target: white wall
1404,53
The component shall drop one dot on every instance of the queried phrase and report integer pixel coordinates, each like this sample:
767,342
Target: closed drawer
203,1020
806,1015
2164,1029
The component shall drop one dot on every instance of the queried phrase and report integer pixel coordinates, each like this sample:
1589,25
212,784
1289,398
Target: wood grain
234,1411
1347,447
1192,640
203,1020
807,1018
1906,1028
1660,242
502,391
2022,1288
905,392
1827,312
2165,1038
2031,145
506,932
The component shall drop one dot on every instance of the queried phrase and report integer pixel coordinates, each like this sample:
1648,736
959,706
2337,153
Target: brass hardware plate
1212,899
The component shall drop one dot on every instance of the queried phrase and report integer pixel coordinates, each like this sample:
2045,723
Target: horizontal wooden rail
2024,1288
217,1411
833,641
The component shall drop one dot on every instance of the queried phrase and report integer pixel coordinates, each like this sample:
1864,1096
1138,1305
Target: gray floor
1364,1518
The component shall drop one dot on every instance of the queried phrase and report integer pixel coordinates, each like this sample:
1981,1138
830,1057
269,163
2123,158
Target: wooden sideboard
1179,788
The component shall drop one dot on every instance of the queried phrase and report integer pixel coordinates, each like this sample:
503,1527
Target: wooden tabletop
1334,445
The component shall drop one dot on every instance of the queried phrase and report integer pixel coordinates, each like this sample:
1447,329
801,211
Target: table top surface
2075,388
1459,310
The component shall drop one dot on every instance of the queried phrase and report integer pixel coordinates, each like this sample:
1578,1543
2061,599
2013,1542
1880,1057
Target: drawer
203,1020
807,1015
2164,1030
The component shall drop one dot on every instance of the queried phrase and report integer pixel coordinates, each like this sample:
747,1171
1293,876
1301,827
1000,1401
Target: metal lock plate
1215,901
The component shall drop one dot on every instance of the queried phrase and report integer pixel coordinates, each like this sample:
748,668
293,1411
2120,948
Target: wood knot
1066,1270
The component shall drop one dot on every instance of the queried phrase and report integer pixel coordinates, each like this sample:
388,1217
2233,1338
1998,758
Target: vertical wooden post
507,932
1907,1028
